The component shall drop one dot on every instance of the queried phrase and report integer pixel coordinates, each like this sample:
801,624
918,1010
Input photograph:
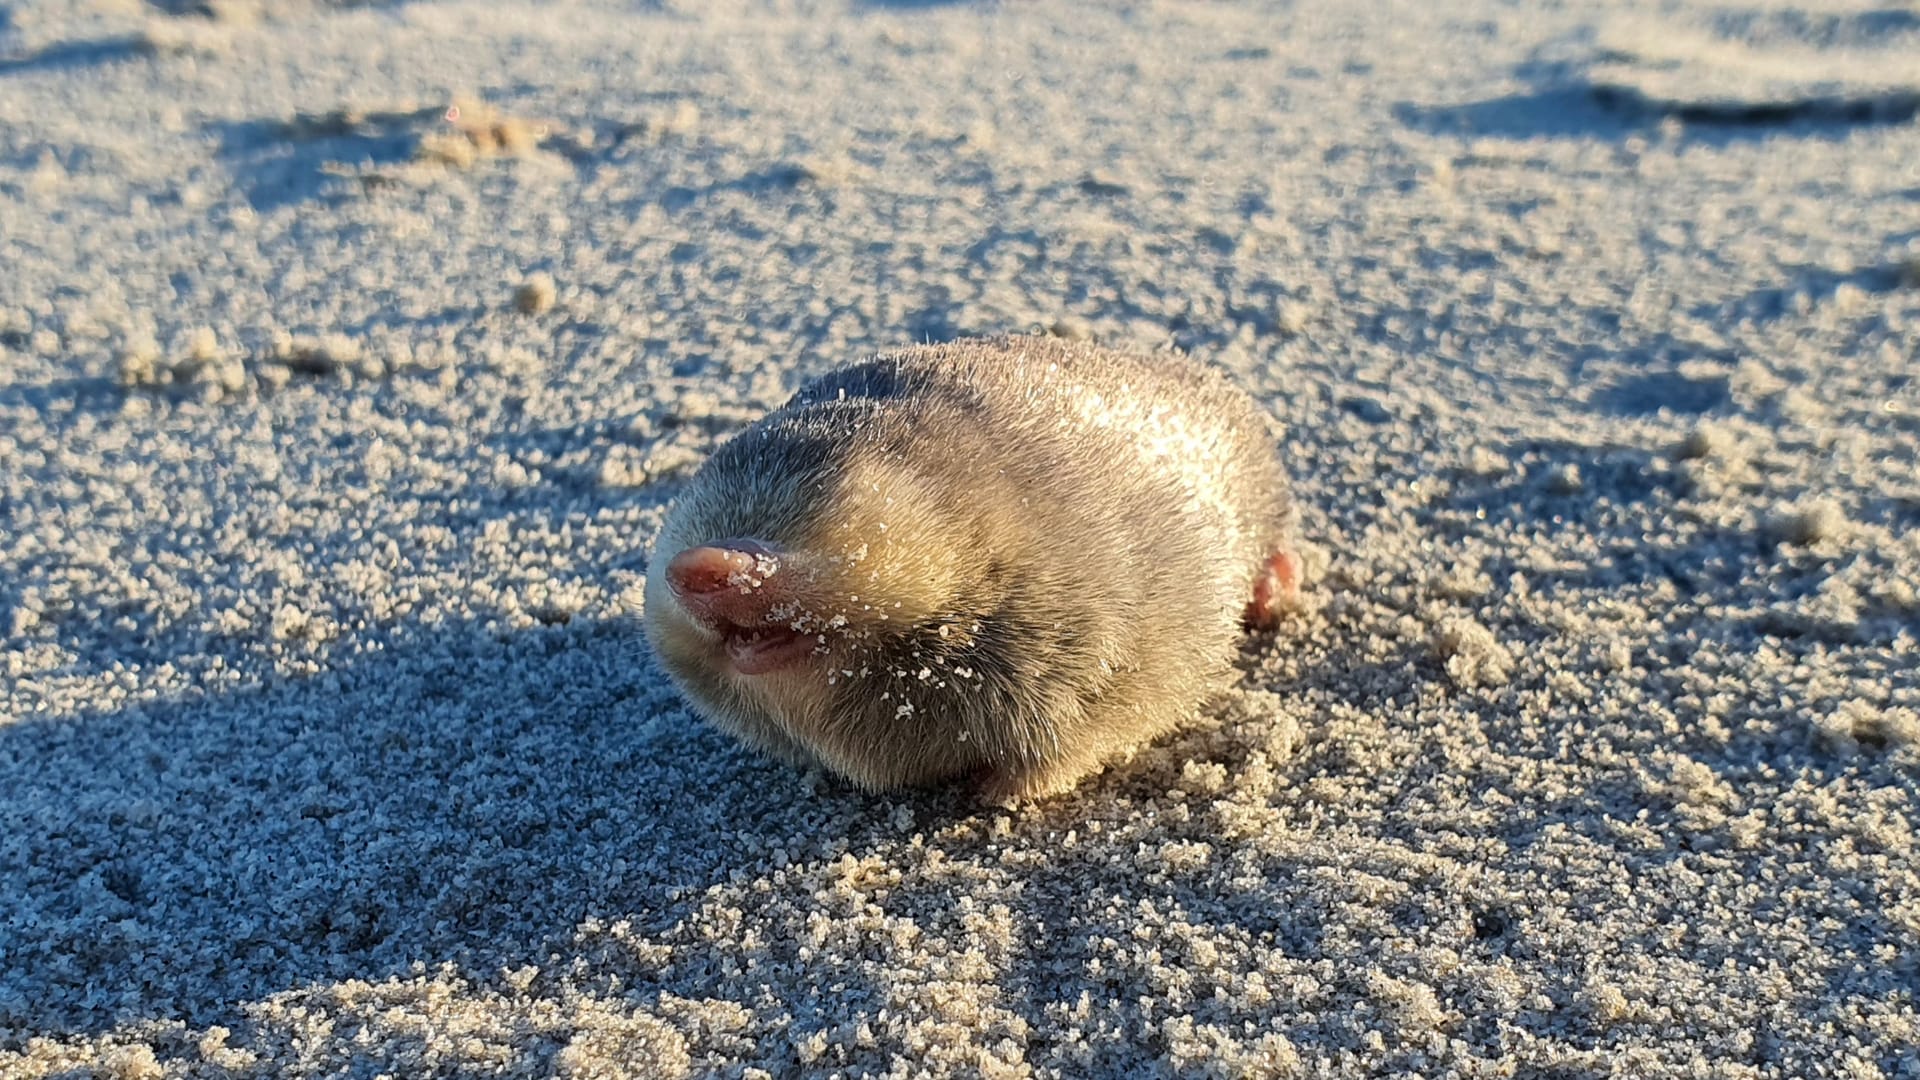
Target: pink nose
710,568
728,582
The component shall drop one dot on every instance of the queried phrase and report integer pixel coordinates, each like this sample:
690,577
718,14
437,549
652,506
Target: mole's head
790,561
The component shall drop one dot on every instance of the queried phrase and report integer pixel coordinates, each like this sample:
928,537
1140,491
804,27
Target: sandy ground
334,425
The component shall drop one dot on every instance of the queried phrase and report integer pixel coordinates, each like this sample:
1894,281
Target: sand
349,354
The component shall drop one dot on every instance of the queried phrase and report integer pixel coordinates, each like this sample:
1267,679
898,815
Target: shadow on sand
469,796
1565,100
465,795
68,55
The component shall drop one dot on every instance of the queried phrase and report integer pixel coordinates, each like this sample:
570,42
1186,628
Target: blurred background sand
349,354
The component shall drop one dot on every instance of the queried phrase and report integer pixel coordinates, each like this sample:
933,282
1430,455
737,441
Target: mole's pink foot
1276,588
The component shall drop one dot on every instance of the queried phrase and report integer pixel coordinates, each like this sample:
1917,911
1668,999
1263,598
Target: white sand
323,750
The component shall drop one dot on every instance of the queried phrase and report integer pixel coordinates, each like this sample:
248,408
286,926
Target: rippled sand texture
349,354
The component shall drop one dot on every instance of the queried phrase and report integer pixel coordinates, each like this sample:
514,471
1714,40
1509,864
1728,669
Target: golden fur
1020,556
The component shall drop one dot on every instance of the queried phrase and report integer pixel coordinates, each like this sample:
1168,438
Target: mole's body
1008,559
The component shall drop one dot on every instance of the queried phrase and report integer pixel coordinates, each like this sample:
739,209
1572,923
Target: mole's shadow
463,796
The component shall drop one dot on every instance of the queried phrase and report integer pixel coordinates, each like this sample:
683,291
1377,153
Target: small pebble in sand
136,1062
1848,298
1566,480
200,362
1487,463
473,130
536,295
1855,725
316,356
1604,1003
140,364
1291,318
291,624
1809,524
1471,654
1706,441
202,345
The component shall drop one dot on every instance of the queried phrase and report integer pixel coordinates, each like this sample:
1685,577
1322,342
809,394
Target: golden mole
1006,559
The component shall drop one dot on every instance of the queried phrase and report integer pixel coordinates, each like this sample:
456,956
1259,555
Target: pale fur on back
1040,552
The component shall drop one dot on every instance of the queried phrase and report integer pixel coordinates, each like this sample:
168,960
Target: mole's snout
734,587
722,565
